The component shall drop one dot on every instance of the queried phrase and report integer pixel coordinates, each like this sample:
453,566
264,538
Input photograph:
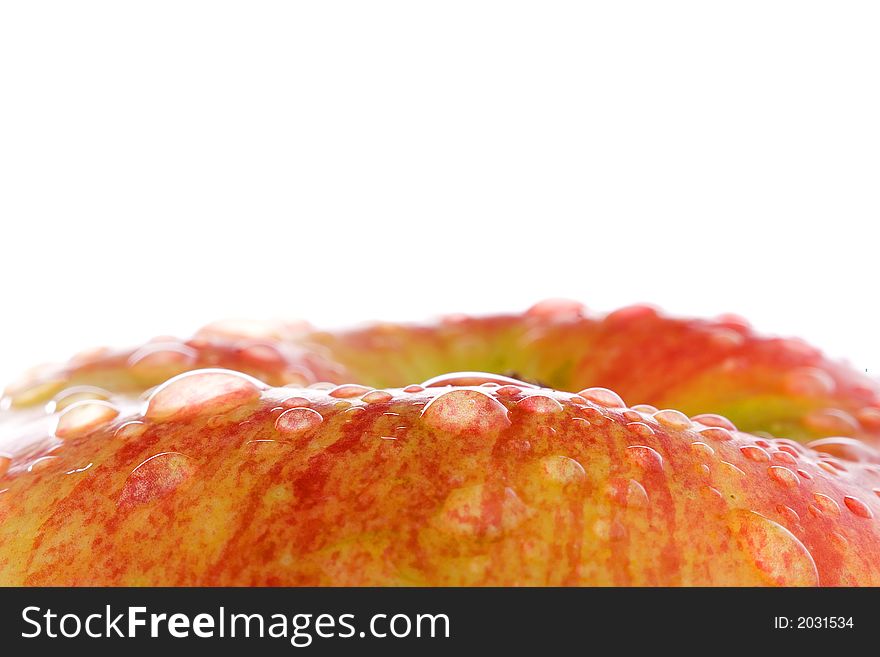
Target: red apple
472,478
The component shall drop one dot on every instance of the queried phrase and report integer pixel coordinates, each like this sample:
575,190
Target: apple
471,451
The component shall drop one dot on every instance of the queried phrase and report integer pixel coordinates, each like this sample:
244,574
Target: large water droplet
778,556
200,392
783,476
858,507
672,419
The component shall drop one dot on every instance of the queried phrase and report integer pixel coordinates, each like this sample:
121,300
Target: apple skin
215,478
222,480
777,386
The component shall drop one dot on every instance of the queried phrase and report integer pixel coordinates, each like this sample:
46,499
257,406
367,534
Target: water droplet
805,475
348,391
465,411
783,476
640,429
826,505
809,382
628,493
562,470
848,449
413,388
702,449
726,338
473,379
672,419
877,492
156,477
716,433
264,356
83,417
790,515
755,453
593,416
557,309
202,391
831,421
158,360
75,394
296,402
4,465
602,397
869,417
858,507
42,463
477,511
783,457
731,468
131,429
631,314
539,404
647,409
298,422
645,457
377,397
778,556
713,420
509,391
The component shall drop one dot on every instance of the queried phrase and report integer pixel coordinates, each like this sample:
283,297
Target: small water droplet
849,449
83,417
465,411
805,475
602,397
640,429
296,402
75,394
539,404
557,309
5,461
298,422
716,433
702,449
826,505
790,515
783,476
509,391
377,397
832,422
42,463
156,477
672,419
783,457
645,457
809,382
131,429
562,470
869,417
414,388
628,493
714,420
755,453
158,360
202,391
647,409
348,391
858,507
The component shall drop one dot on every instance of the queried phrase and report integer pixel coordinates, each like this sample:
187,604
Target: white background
163,164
